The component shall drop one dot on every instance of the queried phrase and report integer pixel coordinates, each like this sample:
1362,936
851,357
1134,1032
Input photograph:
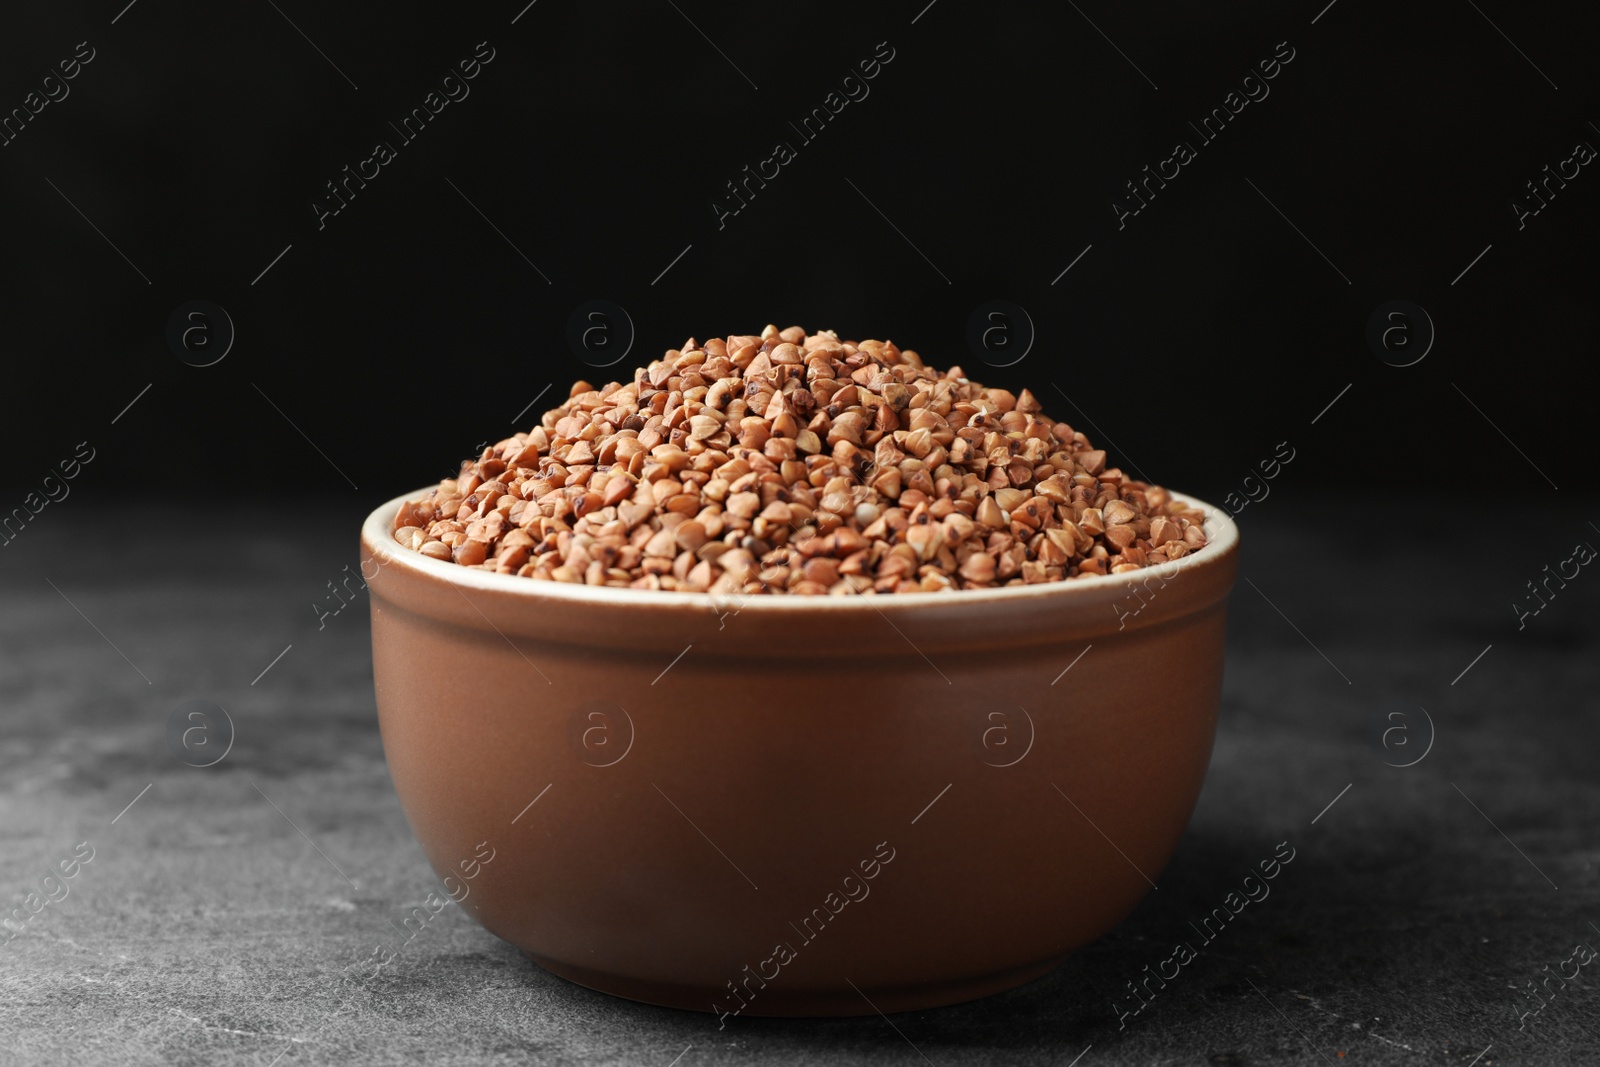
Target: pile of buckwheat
789,463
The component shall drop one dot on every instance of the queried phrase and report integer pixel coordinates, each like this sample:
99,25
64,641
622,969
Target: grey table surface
227,915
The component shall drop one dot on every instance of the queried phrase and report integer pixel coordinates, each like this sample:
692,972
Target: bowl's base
775,1001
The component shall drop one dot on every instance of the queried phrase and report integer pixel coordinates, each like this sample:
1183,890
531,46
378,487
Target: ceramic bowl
797,805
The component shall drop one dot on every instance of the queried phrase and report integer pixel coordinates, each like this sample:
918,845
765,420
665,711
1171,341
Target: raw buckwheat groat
788,463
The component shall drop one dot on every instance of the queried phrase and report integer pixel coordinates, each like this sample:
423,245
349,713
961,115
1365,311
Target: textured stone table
228,915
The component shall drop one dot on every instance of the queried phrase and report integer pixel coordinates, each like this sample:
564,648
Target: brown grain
805,464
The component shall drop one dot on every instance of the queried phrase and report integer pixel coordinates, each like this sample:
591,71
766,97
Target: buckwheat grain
788,462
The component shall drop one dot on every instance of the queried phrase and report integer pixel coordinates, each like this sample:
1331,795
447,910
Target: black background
197,554
408,330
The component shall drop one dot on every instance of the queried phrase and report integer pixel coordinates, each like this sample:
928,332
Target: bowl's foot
775,1000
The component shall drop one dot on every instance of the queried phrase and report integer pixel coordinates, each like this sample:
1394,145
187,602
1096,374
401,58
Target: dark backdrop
197,554
984,160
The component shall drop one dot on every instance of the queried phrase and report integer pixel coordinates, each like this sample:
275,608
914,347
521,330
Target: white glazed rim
1221,537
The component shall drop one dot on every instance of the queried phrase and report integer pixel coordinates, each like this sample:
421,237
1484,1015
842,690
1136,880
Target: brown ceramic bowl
797,805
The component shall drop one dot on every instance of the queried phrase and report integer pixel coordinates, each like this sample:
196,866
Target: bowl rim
1222,538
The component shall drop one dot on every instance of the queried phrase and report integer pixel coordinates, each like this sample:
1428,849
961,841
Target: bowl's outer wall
748,778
